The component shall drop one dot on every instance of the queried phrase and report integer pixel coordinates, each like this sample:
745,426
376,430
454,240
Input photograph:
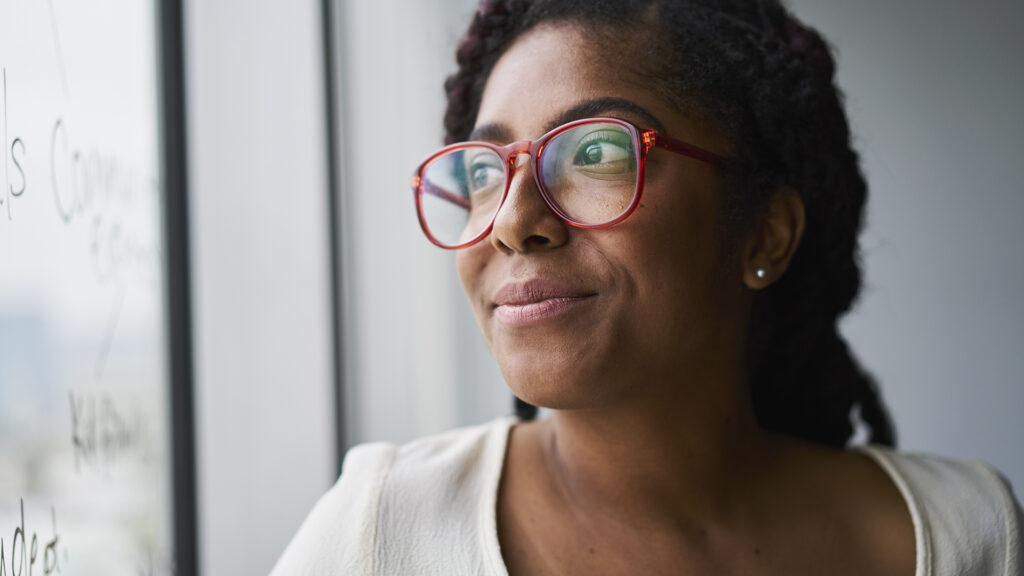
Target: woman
655,208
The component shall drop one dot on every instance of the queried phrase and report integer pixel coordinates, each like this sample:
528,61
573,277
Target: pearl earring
761,273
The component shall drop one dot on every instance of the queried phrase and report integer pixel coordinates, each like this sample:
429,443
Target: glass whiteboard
85,444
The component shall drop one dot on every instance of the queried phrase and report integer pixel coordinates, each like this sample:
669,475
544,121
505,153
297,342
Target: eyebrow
496,132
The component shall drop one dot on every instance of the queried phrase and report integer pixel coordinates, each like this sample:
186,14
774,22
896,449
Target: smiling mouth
537,300
536,313
522,314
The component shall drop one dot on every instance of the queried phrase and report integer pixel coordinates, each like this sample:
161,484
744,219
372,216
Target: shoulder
338,534
966,518
438,502
382,495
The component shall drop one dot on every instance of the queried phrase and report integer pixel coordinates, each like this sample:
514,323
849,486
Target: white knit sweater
428,509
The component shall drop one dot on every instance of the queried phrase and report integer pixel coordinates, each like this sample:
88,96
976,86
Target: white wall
258,193
934,89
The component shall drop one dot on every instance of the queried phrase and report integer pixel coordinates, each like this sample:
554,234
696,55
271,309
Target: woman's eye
601,152
483,175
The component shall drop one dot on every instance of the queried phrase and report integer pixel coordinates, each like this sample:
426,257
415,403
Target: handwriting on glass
25,553
101,433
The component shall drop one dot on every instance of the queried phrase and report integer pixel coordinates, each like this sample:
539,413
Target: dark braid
770,81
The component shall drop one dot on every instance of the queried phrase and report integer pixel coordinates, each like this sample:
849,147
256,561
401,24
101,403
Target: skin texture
652,461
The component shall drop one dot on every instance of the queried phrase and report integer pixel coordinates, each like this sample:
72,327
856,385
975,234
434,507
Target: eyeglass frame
643,141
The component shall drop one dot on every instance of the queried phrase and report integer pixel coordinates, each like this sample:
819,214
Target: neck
684,456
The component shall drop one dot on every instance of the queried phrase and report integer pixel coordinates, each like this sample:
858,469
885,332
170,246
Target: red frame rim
643,141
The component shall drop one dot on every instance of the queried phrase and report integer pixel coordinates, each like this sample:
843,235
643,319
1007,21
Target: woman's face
580,318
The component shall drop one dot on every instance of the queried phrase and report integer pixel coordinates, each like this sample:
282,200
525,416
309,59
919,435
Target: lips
526,303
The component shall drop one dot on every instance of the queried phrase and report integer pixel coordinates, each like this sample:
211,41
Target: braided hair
769,79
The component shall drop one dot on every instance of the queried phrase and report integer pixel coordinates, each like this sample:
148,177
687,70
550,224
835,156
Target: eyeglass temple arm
430,188
652,138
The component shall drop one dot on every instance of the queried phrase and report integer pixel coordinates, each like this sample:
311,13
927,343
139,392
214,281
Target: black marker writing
50,562
65,210
15,146
96,185
101,433
29,554
109,247
59,51
77,442
19,532
32,554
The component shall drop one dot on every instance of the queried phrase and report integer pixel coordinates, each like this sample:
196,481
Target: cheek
671,243
674,258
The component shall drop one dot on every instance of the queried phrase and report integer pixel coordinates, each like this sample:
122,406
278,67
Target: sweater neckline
497,448
883,457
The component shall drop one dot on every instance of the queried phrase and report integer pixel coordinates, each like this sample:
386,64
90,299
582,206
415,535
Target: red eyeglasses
590,173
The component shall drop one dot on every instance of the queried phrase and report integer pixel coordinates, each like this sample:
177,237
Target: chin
548,381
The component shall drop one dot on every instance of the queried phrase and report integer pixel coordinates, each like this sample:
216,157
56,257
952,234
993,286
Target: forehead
555,68
551,68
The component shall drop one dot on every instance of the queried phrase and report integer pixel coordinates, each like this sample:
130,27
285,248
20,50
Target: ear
773,238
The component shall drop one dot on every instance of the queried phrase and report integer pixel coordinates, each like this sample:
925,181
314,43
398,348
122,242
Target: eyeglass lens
589,172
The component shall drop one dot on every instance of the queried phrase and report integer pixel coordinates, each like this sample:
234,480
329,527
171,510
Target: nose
525,223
